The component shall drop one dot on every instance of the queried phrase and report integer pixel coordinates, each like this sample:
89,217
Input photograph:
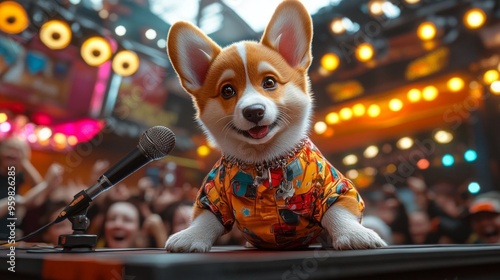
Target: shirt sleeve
212,197
338,189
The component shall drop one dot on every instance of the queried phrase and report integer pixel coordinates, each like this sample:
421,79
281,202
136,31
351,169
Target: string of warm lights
57,34
428,30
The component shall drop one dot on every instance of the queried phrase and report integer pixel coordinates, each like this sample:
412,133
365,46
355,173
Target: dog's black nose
254,113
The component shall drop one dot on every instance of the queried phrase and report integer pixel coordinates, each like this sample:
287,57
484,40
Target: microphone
155,143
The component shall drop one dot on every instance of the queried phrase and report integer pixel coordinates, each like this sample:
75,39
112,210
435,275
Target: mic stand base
78,242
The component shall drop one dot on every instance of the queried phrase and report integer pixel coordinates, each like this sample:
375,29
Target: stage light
125,63
150,34
373,111
404,143
448,160
470,155
5,127
490,76
423,163
162,43
370,151
55,34
203,151
364,52
337,26
395,105
72,140
375,7
3,117
43,133
332,118
330,61
120,30
414,95
345,114
443,137
426,31
495,87
352,174
430,93
320,127
358,110
473,187
59,138
411,2
474,18
350,159
455,84
391,168
95,51
13,17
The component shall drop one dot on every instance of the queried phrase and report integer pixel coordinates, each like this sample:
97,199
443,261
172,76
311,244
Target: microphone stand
78,241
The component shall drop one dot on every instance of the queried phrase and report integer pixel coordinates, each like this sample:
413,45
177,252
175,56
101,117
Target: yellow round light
332,118
3,117
203,151
404,143
72,140
95,51
13,17
374,110
443,137
429,93
364,52
495,87
490,76
375,7
455,84
474,18
350,159
358,110
414,95
59,138
55,34
411,2
125,63
395,105
337,26
330,61
426,31
320,127
371,151
345,114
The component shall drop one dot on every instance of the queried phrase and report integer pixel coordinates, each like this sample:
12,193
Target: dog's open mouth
258,132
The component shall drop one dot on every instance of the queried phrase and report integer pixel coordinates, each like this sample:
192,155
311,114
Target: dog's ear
191,53
290,33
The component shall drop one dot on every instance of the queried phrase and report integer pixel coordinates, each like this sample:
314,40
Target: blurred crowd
145,214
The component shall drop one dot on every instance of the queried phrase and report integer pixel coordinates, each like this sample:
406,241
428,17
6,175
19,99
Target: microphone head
157,142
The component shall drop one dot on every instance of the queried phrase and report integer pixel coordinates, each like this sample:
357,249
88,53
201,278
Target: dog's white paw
198,237
357,237
189,240
347,233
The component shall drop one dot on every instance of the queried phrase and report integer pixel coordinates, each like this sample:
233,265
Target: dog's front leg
199,236
346,232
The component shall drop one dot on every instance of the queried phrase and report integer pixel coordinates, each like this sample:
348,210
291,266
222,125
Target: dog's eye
269,83
228,91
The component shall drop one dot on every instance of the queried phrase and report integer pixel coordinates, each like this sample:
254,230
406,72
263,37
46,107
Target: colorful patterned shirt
284,209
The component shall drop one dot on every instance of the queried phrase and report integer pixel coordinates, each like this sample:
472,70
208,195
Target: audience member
485,218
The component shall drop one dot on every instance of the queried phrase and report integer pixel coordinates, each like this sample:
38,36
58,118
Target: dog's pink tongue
258,131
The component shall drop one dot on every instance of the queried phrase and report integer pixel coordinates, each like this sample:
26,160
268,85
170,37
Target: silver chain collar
278,162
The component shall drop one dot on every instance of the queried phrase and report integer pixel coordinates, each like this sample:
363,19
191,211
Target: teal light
474,187
448,160
470,155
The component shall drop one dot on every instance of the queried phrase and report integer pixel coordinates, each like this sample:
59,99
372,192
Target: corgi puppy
254,103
